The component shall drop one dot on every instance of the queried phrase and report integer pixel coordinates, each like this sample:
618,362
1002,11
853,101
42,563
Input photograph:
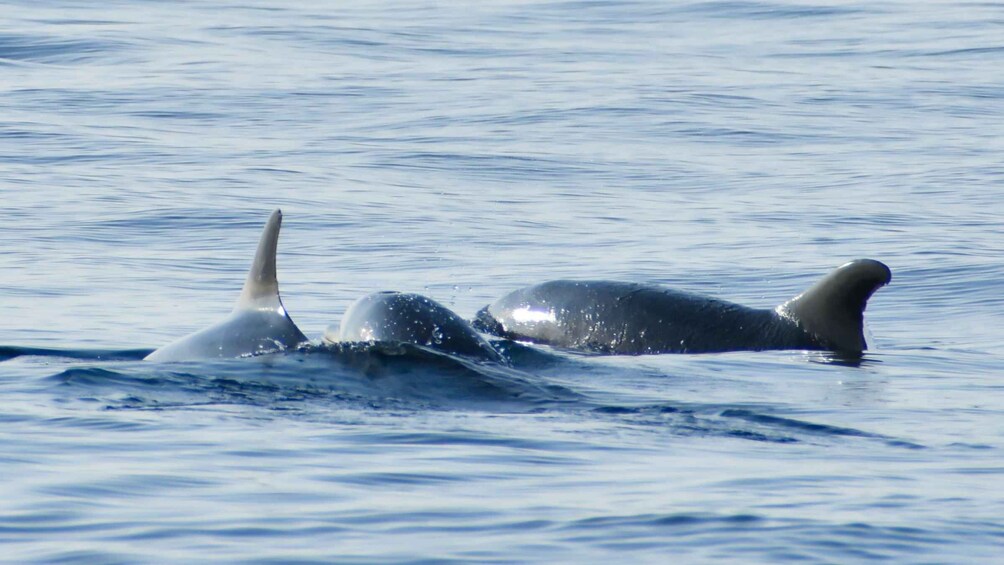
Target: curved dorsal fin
261,289
258,323
832,310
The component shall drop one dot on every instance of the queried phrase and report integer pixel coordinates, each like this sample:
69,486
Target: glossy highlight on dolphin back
258,323
411,318
612,317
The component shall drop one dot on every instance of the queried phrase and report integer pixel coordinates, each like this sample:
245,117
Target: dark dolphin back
629,318
411,318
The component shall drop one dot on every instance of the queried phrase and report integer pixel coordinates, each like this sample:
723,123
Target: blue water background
461,150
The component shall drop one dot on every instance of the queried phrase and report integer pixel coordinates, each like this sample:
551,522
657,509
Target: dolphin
626,318
258,323
411,318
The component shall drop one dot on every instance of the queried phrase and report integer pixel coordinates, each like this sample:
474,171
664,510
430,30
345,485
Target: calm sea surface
461,150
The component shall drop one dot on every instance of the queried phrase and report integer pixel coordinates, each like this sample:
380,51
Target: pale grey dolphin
410,318
258,323
628,318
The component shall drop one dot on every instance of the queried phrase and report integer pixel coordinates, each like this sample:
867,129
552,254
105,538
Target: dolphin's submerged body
632,319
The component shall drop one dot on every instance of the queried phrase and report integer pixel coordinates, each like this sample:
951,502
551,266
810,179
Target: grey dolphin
628,318
258,323
411,318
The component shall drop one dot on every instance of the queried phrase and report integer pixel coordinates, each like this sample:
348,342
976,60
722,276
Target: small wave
409,377
742,535
40,49
681,519
533,450
8,352
399,375
734,422
688,421
811,428
425,373
766,11
790,423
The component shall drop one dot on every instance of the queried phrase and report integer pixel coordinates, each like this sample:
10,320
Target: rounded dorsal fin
832,310
261,288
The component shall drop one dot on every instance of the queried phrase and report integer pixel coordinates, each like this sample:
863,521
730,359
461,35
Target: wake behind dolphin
629,318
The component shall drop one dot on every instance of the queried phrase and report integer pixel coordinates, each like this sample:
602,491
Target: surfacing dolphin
633,319
411,318
258,323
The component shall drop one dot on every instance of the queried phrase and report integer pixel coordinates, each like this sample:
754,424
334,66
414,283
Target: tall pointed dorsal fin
258,323
261,289
832,310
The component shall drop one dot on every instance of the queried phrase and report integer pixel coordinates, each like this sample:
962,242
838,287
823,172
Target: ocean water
739,149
